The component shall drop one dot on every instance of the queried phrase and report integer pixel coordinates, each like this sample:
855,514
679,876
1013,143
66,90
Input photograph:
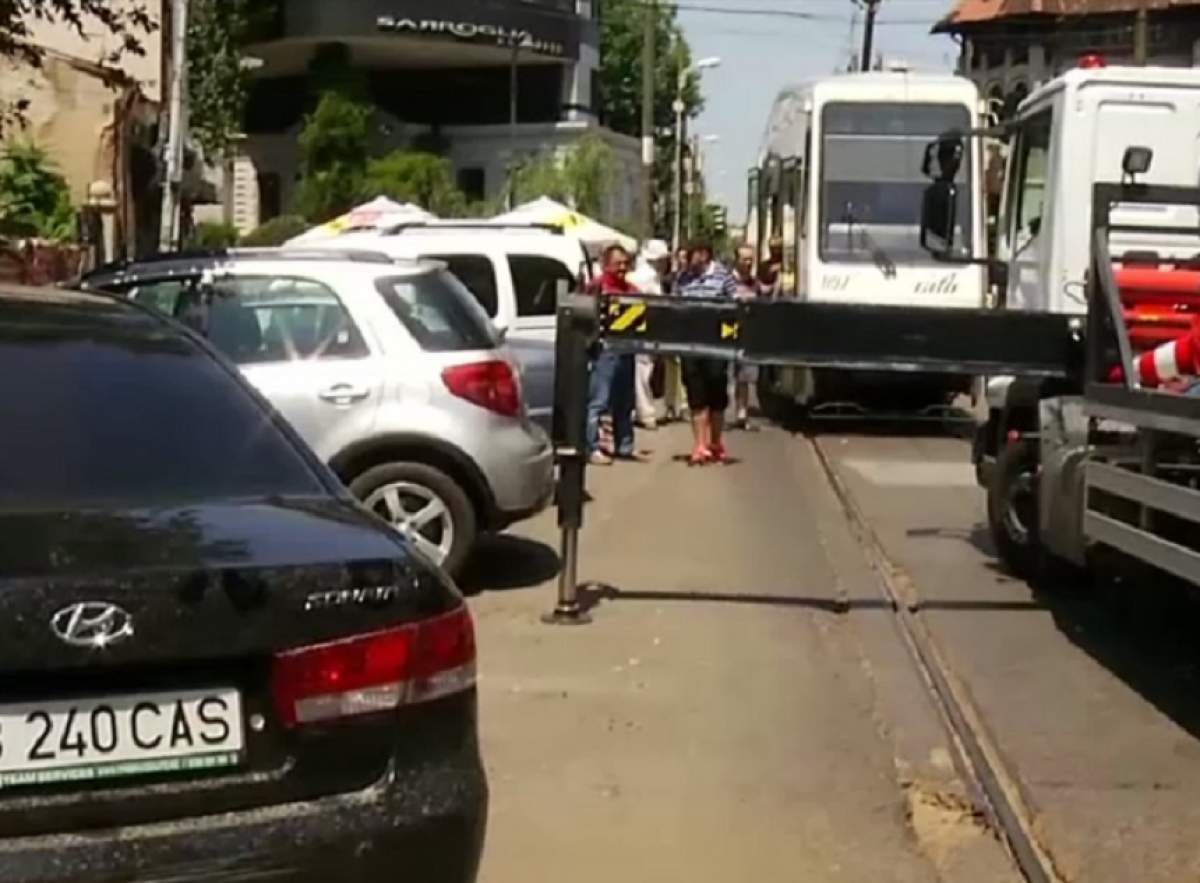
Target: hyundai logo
92,624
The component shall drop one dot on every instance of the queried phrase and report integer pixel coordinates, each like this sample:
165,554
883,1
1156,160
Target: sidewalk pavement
717,721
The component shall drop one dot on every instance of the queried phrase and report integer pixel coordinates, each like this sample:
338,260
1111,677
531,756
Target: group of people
621,384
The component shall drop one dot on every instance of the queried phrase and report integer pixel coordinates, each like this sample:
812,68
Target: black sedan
213,664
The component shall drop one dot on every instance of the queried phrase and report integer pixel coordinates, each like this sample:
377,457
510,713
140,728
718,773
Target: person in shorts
706,380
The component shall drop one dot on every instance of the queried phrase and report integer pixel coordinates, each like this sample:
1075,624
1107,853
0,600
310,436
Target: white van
514,270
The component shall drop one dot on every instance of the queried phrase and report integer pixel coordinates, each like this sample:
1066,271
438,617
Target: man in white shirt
653,263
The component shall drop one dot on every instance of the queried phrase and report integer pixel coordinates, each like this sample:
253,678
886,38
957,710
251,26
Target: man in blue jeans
611,387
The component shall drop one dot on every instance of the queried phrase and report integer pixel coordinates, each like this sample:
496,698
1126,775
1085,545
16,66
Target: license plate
131,735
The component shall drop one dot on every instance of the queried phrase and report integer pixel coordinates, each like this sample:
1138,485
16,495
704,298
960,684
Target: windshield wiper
885,264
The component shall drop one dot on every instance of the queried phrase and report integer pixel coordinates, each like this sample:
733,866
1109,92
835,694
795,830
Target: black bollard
577,330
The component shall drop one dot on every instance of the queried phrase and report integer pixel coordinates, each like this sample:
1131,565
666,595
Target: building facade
96,117
1008,47
482,82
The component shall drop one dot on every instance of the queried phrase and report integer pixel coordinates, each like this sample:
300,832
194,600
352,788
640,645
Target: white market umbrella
594,235
377,214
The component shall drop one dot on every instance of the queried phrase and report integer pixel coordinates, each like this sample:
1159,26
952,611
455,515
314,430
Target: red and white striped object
1174,359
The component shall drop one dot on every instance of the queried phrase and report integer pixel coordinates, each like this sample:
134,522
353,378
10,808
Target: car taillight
379,671
492,385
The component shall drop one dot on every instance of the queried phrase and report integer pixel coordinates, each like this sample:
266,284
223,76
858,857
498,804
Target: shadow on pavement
978,537
505,561
593,595
960,424
1145,634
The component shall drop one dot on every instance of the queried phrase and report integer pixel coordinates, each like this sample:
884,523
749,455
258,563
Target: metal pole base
568,610
567,614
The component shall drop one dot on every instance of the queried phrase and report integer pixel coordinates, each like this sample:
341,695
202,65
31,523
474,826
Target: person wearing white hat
654,262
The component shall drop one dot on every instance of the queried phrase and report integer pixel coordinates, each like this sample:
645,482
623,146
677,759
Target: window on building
270,197
472,182
476,272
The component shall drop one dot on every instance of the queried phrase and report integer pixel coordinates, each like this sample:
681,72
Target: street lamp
694,168
679,107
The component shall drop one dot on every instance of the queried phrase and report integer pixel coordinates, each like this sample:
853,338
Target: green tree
213,235
217,82
580,176
413,176
126,22
34,198
621,26
334,150
590,169
276,231
621,23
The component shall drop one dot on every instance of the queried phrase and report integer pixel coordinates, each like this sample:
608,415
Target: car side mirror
939,213
501,329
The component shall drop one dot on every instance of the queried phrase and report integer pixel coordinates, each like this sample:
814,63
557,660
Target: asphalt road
742,706
1091,695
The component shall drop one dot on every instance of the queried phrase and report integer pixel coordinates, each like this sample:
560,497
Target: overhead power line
709,9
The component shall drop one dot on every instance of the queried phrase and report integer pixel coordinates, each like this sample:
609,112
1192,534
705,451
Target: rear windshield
99,416
439,312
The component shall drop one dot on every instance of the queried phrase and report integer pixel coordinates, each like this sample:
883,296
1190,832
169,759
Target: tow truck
1100,223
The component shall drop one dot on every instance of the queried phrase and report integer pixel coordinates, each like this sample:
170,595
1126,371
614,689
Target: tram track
977,758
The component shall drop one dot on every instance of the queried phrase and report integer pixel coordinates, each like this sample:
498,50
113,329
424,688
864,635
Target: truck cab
1070,134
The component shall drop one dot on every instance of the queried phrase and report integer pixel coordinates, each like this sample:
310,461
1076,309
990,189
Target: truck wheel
1012,507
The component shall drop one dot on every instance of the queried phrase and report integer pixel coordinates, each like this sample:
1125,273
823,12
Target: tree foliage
580,176
34,197
276,231
621,24
217,82
414,176
621,28
213,234
335,147
127,22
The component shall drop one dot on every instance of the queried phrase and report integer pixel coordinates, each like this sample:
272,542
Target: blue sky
760,54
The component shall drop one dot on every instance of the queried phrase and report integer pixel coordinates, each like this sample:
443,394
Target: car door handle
343,393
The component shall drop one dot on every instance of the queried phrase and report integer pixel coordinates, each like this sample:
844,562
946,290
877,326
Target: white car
387,369
515,272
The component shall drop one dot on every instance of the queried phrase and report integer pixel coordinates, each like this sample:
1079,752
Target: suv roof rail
485,224
314,253
297,253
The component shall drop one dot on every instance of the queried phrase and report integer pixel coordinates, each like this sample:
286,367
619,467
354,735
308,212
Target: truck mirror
939,211
943,157
1136,161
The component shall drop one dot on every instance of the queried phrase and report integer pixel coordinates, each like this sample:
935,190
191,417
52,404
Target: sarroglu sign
471,32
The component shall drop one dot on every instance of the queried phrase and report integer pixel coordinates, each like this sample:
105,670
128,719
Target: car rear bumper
425,826
521,477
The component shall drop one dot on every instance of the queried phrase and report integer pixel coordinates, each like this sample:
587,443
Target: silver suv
389,370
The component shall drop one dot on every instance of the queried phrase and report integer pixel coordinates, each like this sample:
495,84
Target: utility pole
514,86
649,27
1140,36
168,236
679,107
869,33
